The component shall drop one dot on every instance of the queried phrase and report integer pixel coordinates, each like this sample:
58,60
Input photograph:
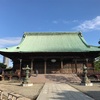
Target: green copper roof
52,42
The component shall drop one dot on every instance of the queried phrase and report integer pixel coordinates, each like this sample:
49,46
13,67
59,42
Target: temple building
52,52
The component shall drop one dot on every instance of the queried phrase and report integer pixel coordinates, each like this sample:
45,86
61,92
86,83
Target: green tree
2,66
97,65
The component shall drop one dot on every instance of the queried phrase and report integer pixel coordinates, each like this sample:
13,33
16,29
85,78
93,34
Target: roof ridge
50,33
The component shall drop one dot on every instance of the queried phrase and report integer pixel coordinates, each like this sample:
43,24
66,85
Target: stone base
87,84
28,84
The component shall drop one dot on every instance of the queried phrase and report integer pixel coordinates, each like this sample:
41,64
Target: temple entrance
57,66
39,65
67,65
53,66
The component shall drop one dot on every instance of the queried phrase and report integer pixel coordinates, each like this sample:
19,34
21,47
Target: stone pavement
93,91
58,91
56,88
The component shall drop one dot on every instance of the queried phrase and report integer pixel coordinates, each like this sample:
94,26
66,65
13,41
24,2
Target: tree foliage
97,65
2,66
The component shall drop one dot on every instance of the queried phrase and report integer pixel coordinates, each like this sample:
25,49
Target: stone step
61,78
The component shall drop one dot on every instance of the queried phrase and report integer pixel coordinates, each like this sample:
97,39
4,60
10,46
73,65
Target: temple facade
52,53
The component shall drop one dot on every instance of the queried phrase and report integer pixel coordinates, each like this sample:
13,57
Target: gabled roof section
52,42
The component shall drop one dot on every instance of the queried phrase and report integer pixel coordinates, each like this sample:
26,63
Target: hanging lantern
53,60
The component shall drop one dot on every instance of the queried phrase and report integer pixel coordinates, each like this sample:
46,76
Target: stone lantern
85,80
26,81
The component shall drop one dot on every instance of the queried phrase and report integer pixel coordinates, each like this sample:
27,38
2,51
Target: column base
27,84
87,84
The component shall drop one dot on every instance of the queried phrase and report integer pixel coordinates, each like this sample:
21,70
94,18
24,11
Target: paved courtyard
54,88
55,91
93,91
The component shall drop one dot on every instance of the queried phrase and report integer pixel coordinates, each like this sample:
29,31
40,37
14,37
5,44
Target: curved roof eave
51,42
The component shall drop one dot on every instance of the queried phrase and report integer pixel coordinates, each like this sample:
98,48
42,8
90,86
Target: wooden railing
12,96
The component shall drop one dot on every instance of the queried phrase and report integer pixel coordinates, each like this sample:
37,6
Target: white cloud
5,42
87,25
64,21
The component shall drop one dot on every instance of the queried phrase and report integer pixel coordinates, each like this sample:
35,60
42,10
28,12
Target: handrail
13,96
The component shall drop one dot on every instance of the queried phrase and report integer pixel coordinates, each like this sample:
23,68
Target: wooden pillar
45,66
86,62
31,66
62,66
93,64
76,65
72,67
20,67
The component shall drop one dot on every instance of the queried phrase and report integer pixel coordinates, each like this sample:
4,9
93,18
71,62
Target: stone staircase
59,78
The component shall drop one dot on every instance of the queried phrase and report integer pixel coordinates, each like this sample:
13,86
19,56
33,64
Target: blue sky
19,16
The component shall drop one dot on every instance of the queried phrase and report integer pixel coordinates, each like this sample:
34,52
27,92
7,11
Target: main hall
52,52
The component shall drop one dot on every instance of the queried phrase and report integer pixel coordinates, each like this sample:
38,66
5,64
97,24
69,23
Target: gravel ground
30,92
92,91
